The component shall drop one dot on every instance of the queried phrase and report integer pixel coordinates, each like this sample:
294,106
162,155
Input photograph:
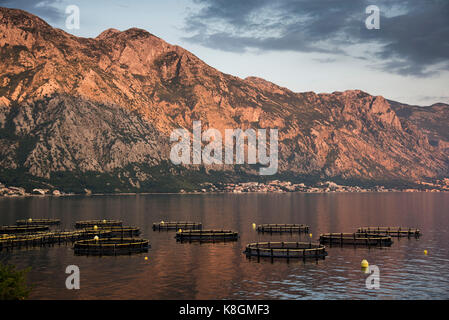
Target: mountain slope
106,106
433,120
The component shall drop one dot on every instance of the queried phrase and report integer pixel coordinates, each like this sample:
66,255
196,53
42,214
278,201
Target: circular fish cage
89,234
397,232
115,231
20,240
301,250
356,239
42,222
47,238
98,223
176,225
22,229
111,246
206,235
282,228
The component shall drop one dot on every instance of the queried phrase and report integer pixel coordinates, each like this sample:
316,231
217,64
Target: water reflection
221,270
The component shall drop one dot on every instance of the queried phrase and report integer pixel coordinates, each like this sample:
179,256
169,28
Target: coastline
69,195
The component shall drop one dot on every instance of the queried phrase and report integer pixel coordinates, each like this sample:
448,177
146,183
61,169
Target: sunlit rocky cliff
97,113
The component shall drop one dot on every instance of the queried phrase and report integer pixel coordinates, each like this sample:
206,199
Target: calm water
221,271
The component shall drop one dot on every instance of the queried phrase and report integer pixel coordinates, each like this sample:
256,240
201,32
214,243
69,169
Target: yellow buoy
104,221
425,252
146,258
310,235
96,238
95,227
180,230
365,264
162,222
30,220
254,226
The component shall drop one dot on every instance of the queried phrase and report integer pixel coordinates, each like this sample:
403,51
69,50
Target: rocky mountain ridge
98,113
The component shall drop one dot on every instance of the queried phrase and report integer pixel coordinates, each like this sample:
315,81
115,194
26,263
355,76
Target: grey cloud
47,9
413,36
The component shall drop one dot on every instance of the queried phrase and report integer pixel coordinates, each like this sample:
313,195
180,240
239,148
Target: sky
304,45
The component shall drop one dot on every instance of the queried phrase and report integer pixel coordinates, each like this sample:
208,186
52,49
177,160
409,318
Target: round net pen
19,241
98,223
22,229
114,231
176,225
397,232
206,235
294,250
356,239
47,238
42,222
111,246
282,228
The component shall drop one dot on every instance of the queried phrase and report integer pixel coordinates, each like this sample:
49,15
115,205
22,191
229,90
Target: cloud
46,9
413,38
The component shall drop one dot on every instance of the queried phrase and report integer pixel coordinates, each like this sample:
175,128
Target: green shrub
13,283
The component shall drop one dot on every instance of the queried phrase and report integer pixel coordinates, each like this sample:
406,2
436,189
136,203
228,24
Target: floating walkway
206,235
302,250
98,223
23,229
355,239
111,246
391,231
42,222
176,225
48,238
115,231
282,228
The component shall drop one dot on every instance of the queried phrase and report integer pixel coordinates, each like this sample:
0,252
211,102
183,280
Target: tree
13,284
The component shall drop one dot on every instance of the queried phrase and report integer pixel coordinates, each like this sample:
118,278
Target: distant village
323,187
274,186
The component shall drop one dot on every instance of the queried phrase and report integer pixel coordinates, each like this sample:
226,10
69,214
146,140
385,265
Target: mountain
97,113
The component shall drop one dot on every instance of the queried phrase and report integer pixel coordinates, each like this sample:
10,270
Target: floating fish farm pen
42,222
206,235
176,225
111,246
23,229
301,250
355,239
282,228
98,223
48,238
115,231
391,231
